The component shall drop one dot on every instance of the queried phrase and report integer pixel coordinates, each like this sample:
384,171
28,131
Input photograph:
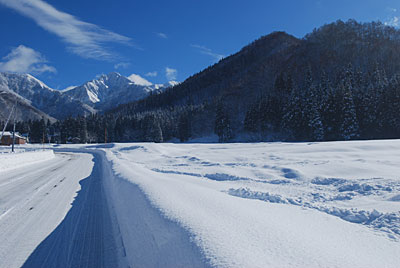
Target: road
74,211
55,214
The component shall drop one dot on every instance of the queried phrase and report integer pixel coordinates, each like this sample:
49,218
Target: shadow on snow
85,237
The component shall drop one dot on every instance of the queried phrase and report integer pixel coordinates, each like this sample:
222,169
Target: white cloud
25,60
162,35
151,74
170,73
84,39
395,22
206,51
122,65
391,9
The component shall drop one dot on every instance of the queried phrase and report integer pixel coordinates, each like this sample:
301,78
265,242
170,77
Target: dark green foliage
340,82
222,125
184,127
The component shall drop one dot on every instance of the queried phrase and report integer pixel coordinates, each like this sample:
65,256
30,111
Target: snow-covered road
63,213
33,202
86,236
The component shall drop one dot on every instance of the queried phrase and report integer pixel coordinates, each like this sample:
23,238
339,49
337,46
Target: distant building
26,136
7,138
75,140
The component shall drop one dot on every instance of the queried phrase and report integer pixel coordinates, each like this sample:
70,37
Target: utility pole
105,134
13,138
13,141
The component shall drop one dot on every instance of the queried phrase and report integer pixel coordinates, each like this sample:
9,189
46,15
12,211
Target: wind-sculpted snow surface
330,204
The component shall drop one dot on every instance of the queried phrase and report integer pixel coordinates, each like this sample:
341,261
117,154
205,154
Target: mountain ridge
269,88
97,95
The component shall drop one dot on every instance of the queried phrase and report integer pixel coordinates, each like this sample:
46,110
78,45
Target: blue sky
66,43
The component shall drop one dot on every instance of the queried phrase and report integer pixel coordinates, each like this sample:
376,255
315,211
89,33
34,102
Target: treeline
157,126
356,106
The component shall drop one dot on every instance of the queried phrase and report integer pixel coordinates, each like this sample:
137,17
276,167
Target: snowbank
148,238
275,204
9,161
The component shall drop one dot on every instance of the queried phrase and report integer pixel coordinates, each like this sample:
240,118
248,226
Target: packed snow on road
331,204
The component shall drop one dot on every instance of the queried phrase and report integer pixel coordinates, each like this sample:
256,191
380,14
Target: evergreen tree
83,133
222,126
314,117
349,127
393,117
184,127
293,119
251,119
153,131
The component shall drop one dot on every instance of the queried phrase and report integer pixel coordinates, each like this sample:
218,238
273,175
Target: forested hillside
340,82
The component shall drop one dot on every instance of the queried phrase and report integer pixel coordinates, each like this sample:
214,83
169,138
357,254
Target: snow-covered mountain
23,110
32,92
97,95
113,89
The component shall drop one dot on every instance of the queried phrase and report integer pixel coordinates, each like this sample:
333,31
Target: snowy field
331,204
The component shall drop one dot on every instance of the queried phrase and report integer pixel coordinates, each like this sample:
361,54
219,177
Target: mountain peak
113,74
274,39
22,80
34,79
112,79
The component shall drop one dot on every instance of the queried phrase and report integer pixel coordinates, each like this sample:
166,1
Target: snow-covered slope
138,80
333,204
33,92
113,89
24,109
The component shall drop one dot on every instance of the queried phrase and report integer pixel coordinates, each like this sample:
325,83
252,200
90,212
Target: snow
68,89
35,80
332,204
138,80
93,95
20,158
34,200
171,83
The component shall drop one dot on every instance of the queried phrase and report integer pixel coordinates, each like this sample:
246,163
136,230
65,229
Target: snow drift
274,204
